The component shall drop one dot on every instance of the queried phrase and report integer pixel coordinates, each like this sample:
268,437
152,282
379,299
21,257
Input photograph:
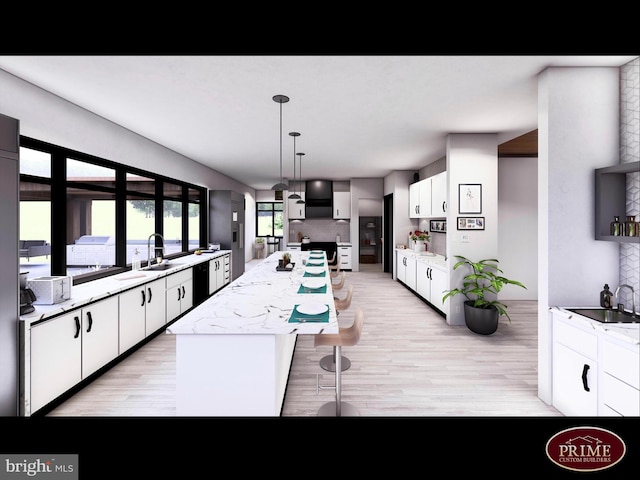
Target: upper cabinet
297,211
341,205
428,197
611,199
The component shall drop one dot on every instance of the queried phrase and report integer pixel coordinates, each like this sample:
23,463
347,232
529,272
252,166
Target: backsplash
320,230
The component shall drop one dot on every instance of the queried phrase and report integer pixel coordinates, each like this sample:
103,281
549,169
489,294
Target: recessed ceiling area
358,116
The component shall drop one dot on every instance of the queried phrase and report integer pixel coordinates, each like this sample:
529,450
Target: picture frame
470,223
438,226
470,198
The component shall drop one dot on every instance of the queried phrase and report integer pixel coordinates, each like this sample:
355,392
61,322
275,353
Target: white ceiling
358,116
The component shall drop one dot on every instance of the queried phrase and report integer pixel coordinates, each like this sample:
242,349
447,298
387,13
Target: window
269,219
107,212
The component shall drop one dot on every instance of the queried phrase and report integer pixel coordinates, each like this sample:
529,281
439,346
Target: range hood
319,199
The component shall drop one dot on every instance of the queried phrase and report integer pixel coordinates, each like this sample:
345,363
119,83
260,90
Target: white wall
578,121
518,225
49,118
397,183
471,158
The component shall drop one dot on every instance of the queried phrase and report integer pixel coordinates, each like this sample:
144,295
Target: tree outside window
269,219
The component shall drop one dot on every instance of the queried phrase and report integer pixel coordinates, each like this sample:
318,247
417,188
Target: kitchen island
234,351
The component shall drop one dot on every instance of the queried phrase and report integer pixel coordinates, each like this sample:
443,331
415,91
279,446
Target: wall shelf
611,199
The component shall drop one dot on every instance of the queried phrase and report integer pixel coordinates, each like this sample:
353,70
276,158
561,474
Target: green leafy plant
484,278
259,240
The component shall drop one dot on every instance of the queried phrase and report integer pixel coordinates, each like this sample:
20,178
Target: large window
95,216
269,219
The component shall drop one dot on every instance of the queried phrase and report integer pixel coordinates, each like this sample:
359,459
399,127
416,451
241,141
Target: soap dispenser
606,297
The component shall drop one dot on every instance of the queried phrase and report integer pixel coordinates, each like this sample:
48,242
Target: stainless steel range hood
319,199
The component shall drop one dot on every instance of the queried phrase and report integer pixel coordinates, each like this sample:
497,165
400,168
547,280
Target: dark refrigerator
226,226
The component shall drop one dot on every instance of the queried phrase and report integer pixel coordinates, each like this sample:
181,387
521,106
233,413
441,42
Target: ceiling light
301,201
280,99
294,195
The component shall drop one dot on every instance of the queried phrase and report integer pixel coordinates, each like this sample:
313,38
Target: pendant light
301,201
294,195
280,99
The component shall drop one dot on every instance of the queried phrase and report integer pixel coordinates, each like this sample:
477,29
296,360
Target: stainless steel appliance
226,226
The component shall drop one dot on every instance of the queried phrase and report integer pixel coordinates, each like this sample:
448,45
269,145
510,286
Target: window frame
58,185
273,210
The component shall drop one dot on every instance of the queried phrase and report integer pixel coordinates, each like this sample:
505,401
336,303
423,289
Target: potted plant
419,238
481,314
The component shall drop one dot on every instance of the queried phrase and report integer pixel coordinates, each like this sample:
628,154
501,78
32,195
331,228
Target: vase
480,320
418,246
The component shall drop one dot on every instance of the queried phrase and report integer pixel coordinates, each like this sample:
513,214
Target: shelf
611,199
620,239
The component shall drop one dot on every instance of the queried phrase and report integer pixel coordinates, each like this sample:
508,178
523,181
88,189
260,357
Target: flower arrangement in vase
420,239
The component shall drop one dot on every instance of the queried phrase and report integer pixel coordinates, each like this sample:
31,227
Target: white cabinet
406,269
341,205
296,211
179,293
420,199
575,367
218,273
439,197
620,377
344,257
294,248
428,197
69,348
142,312
431,280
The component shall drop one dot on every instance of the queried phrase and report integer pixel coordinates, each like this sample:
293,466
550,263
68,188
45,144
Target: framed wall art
470,223
469,198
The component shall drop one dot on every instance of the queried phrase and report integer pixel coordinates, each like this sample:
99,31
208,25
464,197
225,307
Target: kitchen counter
340,244
628,332
234,351
98,289
431,257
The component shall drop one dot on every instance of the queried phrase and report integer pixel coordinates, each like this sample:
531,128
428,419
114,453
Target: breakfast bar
234,350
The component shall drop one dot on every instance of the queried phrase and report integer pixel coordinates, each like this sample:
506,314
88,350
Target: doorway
387,233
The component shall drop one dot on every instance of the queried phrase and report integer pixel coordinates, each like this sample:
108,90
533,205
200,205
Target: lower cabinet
142,312
594,373
344,257
406,270
67,349
179,293
218,273
431,281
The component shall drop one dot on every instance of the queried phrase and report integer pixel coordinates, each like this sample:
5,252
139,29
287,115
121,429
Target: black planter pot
481,320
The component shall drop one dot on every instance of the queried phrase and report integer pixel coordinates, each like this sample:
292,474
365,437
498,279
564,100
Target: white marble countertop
260,301
88,292
340,244
430,257
629,332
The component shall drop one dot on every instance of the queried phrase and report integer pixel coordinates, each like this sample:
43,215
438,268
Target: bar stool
340,284
346,337
328,362
334,271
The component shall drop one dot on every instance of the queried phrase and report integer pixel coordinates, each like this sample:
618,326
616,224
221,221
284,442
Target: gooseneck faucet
154,249
633,300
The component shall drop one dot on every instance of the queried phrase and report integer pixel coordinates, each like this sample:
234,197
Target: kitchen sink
161,266
604,315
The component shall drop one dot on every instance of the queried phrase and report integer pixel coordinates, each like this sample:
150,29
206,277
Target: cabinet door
439,283
132,317
173,297
186,301
100,342
296,210
423,280
155,312
341,205
345,258
401,269
424,210
575,382
439,194
214,267
56,349
410,274
414,200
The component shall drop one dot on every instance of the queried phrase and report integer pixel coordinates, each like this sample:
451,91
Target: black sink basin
606,315
161,266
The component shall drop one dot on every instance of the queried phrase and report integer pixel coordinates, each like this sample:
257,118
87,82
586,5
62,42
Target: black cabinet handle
143,298
585,369
149,291
183,291
77,327
178,293
443,206
90,321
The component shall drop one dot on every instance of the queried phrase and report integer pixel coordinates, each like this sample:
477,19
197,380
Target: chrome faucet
633,301
154,248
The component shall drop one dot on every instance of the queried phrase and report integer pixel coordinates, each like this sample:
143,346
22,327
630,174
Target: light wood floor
408,363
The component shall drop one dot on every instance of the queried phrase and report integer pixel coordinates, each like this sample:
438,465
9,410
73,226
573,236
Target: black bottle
606,297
